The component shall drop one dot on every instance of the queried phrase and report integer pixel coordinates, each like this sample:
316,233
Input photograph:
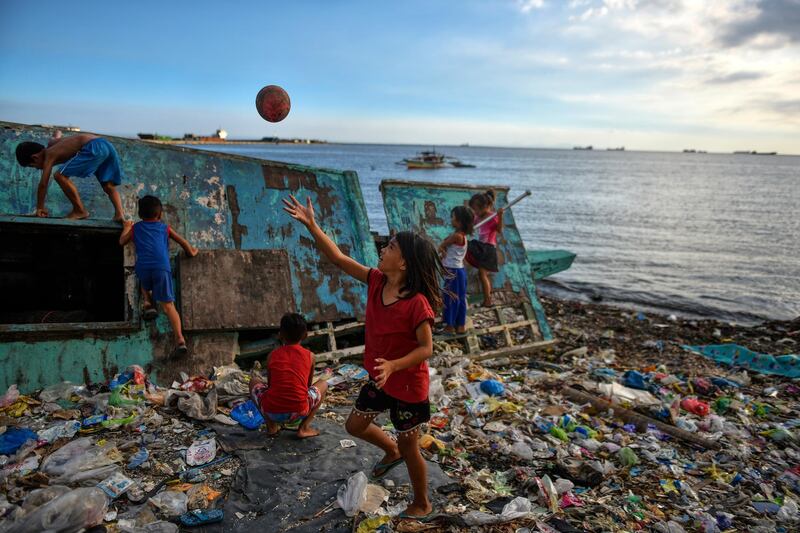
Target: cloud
735,77
526,6
775,22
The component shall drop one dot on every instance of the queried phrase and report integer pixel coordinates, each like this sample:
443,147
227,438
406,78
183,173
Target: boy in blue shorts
151,237
82,156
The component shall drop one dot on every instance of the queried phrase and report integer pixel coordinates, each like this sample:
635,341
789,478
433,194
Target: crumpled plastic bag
11,396
59,391
80,461
170,502
352,494
193,404
517,508
231,380
75,510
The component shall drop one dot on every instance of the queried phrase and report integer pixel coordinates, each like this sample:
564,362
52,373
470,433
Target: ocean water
701,235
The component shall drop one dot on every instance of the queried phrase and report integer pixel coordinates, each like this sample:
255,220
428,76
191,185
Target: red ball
273,103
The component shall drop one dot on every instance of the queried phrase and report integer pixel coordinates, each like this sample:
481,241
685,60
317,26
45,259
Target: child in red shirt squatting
289,394
402,293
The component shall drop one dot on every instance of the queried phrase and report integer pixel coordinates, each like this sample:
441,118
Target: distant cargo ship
583,147
745,152
618,149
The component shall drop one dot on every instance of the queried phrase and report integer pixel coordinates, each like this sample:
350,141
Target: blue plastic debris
248,415
492,387
14,438
634,380
736,355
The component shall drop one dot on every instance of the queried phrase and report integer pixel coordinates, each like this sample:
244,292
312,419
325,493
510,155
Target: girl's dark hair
482,199
424,269
465,218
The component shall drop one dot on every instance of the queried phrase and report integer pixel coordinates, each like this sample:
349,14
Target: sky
644,74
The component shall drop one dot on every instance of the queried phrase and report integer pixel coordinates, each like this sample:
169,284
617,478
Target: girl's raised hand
304,215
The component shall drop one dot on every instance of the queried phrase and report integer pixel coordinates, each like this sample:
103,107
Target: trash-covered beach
521,443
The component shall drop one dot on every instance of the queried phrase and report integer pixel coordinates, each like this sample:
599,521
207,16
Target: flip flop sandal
200,517
151,313
180,351
385,467
430,517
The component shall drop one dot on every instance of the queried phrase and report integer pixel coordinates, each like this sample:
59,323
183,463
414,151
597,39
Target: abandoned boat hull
226,205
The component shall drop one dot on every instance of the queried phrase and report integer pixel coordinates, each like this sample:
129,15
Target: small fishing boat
426,160
548,262
432,159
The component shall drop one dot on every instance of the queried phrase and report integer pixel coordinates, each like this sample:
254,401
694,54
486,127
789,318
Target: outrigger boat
431,159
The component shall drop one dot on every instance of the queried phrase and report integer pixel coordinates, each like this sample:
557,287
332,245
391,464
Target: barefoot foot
417,510
304,433
77,215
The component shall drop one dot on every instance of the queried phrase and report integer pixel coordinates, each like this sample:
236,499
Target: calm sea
704,235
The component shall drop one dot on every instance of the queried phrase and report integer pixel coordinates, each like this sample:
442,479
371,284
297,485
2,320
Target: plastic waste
522,451
627,457
492,387
201,452
695,406
80,456
60,391
139,458
77,509
248,415
788,511
133,374
116,485
170,502
14,438
352,494
374,497
11,396
634,380
517,508
66,429
548,495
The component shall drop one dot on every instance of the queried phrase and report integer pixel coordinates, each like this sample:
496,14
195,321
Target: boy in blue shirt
82,156
151,237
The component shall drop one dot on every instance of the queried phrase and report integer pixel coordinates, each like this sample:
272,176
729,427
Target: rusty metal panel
235,289
425,207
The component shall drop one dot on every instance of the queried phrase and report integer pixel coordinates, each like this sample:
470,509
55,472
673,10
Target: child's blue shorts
98,157
159,281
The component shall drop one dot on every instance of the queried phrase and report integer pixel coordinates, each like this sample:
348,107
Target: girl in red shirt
402,294
482,252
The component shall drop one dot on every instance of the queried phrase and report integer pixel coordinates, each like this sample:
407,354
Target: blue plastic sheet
735,355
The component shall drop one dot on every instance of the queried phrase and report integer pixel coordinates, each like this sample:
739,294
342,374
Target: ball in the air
273,103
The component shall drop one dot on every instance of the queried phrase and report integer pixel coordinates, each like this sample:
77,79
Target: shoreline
603,326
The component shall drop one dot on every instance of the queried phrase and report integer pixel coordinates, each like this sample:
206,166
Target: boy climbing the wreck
290,393
402,294
82,156
150,238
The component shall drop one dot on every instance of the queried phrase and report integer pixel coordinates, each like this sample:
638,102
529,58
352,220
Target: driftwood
639,419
